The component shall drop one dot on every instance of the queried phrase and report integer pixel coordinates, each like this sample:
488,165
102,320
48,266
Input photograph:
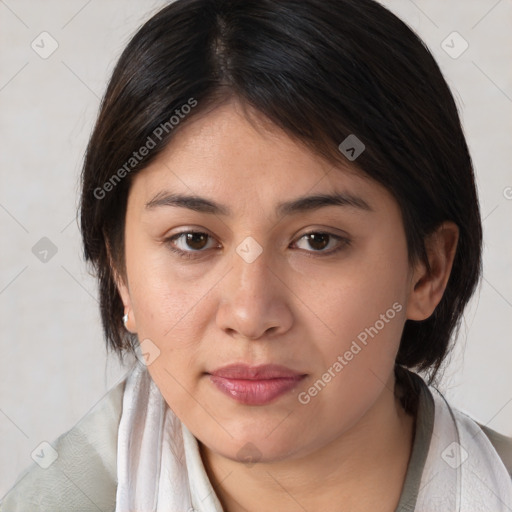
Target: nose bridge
252,301
251,270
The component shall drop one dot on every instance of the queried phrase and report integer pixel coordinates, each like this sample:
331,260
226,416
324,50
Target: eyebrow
295,206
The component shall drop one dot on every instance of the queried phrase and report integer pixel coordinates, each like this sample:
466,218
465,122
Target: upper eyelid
176,236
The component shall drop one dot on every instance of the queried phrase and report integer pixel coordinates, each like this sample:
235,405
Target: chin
255,445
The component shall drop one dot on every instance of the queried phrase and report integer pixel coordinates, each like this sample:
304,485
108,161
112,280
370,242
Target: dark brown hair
320,70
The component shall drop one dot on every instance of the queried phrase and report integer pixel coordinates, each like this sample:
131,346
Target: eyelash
345,242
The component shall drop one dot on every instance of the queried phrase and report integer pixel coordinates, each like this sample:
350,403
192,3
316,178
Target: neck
372,454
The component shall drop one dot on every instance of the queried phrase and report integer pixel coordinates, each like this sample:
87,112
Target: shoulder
486,437
502,444
84,474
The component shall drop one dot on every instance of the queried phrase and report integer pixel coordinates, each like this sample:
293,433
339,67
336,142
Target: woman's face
321,289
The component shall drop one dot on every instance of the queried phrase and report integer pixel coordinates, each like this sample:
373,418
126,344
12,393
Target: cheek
366,313
363,304
169,310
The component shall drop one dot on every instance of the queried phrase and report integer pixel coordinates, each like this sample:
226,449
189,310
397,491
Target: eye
188,243
319,240
181,243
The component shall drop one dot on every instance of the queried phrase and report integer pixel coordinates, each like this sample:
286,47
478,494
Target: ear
124,292
427,288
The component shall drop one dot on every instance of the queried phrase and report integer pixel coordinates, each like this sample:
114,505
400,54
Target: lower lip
255,392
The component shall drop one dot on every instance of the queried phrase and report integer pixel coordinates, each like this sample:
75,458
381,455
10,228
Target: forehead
247,162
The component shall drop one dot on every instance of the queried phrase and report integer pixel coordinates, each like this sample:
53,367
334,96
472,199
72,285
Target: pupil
193,238
318,238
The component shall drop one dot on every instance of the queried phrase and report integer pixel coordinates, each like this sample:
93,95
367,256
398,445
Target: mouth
255,385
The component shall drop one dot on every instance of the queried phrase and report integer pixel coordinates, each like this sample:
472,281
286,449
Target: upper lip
264,371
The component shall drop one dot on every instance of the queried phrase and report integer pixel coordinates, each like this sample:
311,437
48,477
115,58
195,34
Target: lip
255,385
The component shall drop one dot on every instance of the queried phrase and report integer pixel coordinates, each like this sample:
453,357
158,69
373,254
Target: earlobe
427,287
124,293
128,320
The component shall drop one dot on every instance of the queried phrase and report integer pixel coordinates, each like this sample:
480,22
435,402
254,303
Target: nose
254,299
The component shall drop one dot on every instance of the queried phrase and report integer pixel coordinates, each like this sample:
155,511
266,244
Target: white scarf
159,466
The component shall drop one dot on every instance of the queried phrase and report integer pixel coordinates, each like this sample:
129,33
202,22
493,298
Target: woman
280,206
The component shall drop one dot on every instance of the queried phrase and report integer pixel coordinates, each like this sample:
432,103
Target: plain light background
54,366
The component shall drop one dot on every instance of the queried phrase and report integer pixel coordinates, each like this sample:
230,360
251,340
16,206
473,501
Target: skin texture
292,306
